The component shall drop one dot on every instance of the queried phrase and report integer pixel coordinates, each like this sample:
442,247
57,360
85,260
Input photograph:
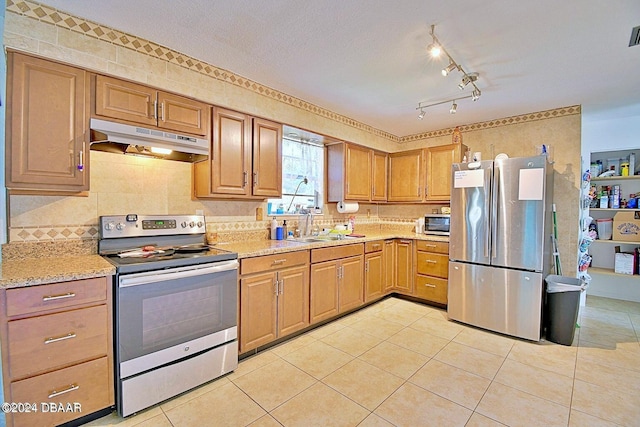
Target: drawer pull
60,296
430,246
72,387
429,285
406,242
61,338
431,261
375,245
279,261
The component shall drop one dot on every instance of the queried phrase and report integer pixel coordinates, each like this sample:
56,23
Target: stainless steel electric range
175,306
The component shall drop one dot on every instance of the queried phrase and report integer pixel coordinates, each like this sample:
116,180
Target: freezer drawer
499,299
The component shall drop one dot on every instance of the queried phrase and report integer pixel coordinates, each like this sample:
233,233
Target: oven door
166,315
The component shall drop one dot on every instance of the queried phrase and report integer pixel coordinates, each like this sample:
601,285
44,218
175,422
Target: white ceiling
366,59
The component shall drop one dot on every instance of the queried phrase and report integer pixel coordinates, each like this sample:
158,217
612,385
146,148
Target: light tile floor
402,363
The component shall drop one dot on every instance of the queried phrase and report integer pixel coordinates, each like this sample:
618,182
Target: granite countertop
248,249
27,271
39,271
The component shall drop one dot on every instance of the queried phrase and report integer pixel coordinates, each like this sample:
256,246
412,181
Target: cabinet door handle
59,296
255,179
429,285
366,267
60,338
55,393
80,166
244,179
154,113
276,283
161,108
279,261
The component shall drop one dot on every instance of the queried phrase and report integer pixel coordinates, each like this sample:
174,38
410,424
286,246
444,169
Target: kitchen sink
322,238
309,239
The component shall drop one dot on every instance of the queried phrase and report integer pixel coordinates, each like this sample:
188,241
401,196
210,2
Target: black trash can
561,308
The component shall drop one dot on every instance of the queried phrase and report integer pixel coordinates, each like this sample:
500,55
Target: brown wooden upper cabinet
47,146
423,175
355,173
147,106
245,160
406,176
439,161
379,171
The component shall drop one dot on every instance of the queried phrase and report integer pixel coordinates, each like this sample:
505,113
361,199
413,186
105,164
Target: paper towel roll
347,207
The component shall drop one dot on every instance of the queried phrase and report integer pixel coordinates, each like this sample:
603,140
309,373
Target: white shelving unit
605,282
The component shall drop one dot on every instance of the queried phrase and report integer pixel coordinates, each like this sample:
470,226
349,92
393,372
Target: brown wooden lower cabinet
389,256
404,266
336,280
274,303
285,293
432,271
57,349
78,390
374,270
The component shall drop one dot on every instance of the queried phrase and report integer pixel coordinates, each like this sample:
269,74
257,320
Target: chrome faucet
306,223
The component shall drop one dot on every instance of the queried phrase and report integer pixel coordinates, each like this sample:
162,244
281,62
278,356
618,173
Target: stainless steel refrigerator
500,246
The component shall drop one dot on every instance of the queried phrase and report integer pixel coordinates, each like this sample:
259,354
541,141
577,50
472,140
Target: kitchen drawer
336,252
433,264
43,343
374,246
33,299
88,385
431,289
432,246
273,262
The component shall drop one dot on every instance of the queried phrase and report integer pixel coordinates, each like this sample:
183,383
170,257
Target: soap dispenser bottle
285,232
274,225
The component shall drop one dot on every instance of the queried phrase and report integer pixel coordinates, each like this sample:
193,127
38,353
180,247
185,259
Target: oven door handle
175,274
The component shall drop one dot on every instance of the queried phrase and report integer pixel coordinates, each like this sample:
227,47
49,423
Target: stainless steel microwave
437,224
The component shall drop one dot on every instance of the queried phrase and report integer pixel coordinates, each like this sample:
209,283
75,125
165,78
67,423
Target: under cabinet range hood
115,137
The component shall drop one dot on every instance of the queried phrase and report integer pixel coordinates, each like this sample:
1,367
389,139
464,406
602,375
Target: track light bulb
449,68
475,95
434,50
421,115
454,108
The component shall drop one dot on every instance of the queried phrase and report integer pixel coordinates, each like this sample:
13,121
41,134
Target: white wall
618,130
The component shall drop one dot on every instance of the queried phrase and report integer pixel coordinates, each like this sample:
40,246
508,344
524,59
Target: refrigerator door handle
487,209
494,209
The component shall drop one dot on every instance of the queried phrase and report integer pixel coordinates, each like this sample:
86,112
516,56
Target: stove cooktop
163,261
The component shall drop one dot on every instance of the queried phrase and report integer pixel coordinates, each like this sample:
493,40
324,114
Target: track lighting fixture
466,79
449,68
436,49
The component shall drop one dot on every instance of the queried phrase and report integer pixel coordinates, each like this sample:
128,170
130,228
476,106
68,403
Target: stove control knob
192,224
120,226
184,224
199,224
109,226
